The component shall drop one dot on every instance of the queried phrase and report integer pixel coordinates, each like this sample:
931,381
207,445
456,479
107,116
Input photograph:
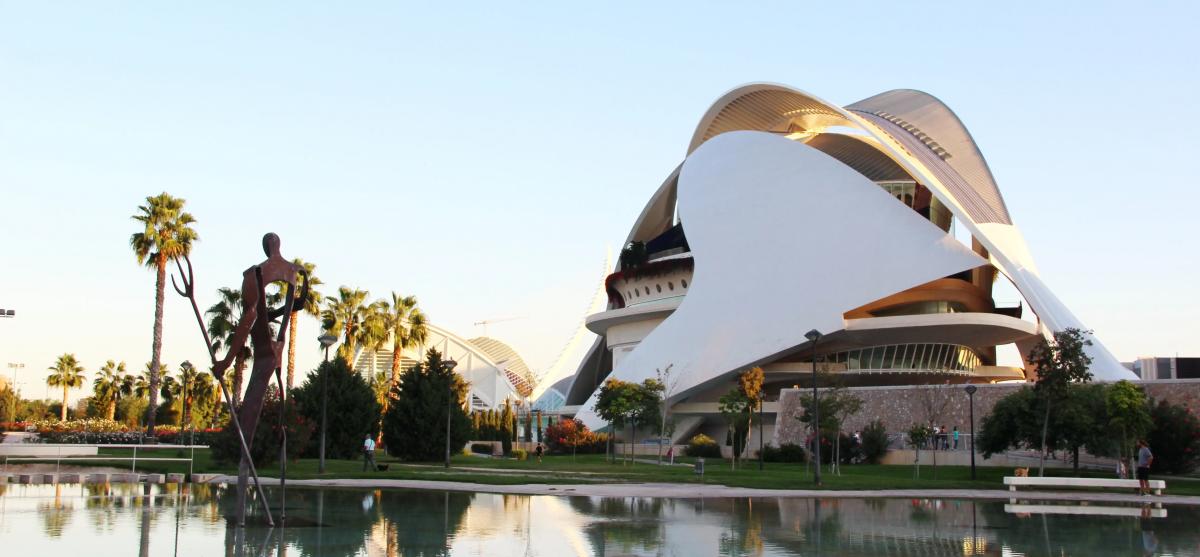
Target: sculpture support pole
282,448
189,293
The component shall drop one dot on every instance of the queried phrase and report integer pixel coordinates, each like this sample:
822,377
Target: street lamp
449,366
971,403
326,341
814,336
12,410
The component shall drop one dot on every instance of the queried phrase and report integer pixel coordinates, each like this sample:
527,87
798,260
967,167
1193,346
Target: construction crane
487,322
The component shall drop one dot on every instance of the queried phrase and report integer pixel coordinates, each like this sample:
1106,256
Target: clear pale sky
483,157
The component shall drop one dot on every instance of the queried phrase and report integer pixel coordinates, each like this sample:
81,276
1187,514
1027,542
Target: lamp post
814,336
326,341
971,403
449,366
12,410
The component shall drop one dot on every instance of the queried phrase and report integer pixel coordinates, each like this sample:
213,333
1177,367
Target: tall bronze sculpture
256,326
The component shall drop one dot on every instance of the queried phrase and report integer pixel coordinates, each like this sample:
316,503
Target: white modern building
494,370
878,224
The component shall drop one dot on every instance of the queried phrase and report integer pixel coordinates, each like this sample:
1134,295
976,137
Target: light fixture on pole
12,410
326,341
971,403
449,366
814,336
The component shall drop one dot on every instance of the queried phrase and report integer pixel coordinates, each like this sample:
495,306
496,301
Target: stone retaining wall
900,407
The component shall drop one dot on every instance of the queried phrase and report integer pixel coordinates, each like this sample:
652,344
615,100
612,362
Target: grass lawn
557,469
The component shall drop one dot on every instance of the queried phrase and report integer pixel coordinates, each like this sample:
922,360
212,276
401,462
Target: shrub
567,436
351,413
265,444
787,452
520,454
874,442
702,445
414,427
481,448
1175,439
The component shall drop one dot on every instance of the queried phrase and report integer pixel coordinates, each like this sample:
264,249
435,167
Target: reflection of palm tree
55,515
68,374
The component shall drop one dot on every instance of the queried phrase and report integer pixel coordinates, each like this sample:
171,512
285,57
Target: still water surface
100,520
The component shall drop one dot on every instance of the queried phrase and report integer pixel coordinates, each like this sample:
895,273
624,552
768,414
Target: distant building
1173,367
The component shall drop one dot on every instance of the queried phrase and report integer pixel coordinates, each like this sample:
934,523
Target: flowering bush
572,436
90,425
108,432
703,446
13,426
1175,439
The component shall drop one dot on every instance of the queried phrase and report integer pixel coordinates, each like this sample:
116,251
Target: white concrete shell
721,189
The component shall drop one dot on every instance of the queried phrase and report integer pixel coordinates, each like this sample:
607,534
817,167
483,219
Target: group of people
943,439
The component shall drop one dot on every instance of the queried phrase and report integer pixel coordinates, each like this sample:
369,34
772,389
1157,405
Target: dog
1022,472
381,467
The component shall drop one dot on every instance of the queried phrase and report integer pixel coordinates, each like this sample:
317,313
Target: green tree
344,315
1059,363
616,403
67,374
223,320
405,323
506,420
111,382
1175,439
414,428
735,407
166,235
1128,415
918,435
352,411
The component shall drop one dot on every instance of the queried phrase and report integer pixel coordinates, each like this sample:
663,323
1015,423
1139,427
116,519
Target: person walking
956,438
368,453
538,451
1144,459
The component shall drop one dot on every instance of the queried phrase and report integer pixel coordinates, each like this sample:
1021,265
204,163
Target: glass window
683,282
854,359
670,285
889,354
658,287
647,290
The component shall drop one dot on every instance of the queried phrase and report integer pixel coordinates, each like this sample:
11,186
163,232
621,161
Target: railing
59,458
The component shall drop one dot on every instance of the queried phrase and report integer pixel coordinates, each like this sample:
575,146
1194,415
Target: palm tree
223,319
406,324
139,384
109,385
167,235
68,374
344,314
373,333
312,306
190,388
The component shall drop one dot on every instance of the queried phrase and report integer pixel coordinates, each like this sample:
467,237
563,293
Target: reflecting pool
99,520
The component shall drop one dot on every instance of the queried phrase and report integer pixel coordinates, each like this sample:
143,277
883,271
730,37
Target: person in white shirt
368,453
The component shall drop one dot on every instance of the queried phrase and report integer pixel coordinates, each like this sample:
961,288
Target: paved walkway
697,491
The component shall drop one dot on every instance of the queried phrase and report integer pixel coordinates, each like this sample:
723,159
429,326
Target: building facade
877,225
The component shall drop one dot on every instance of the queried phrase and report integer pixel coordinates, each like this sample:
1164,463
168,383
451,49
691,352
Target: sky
484,156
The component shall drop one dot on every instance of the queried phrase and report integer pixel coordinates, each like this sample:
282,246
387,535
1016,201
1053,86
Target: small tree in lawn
735,407
1128,416
666,426
615,403
414,427
918,434
934,400
845,404
1059,364
750,383
648,398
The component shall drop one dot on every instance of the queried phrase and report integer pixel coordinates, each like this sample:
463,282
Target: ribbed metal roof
922,117
507,358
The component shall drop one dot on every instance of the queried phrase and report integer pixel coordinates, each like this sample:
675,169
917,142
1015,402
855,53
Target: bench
1014,481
